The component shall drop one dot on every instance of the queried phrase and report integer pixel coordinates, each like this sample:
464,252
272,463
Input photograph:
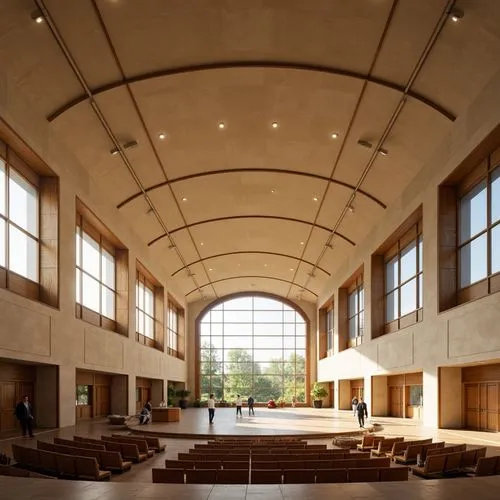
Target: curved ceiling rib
246,170
251,64
257,277
235,217
243,252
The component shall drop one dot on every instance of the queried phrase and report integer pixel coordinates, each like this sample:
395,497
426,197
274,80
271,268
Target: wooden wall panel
322,343
360,382
396,380
342,333
481,373
377,297
122,291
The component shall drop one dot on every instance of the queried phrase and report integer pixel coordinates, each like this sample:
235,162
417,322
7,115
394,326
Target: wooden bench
153,442
369,441
486,466
232,476
399,448
385,446
168,476
433,466
141,444
128,451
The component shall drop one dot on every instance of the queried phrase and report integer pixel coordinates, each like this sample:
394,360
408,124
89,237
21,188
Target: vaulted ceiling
260,182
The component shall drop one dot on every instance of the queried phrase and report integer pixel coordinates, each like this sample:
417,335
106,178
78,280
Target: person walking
211,409
24,413
250,403
239,404
362,411
354,404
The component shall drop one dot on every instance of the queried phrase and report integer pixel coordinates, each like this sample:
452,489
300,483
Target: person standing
211,409
362,411
250,403
354,404
239,404
24,413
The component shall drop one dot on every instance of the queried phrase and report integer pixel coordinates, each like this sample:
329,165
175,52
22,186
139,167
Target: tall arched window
253,346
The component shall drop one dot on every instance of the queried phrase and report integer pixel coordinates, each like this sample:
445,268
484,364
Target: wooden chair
426,448
179,464
410,455
66,465
385,446
153,442
368,475
331,476
399,447
208,464
486,466
394,473
452,464
468,459
232,465
298,476
168,476
265,465
292,464
367,442
48,462
7,470
433,466
141,444
232,476
318,464
201,476
269,476
480,453
80,444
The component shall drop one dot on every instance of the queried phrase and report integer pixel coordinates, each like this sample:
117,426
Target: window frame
141,337
330,330
173,333
83,312
356,289
413,235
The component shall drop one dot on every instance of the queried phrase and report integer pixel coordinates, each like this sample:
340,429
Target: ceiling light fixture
210,269
265,265
383,151
335,135
222,125
275,125
184,198
273,191
37,16
201,243
315,198
162,136
365,144
301,242
456,15
350,208
127,145
292,269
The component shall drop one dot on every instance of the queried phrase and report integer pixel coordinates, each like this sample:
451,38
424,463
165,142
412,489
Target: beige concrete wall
450,405
380,397
54,336
463,334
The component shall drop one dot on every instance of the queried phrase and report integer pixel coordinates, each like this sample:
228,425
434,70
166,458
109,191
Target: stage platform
309,423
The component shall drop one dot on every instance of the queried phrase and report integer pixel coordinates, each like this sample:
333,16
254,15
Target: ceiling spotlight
301,242
315,198
221,125
265,265
383,151
456,15
275,125
127,145
162,136
335,135
273,191
201,243
184,198
292,269
37,16
365,144
210,269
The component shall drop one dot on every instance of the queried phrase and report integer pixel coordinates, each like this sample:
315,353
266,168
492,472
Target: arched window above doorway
252,345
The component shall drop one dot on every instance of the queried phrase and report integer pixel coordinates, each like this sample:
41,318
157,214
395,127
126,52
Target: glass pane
78,286
473,212
140,295
353,327
23,203
289,342
237,316
216,316
78,248
90,290
267,354
2,187
353,303
291,317
108,303
269,329
268,342
239,304
108,269
237,342
409,297
268,316
300,329
149,305
473,265
408,261
140,322
90,256
495,249
361,323
2,243
391,274
149,328
23,254
421,291
300,342
238,329
288,329
361,299
420,254
262,303
495,195
391,306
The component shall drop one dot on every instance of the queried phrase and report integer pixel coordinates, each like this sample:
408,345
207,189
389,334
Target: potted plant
170,395
318,392
281,402
182,394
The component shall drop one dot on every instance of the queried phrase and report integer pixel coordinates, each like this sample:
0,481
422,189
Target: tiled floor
304,421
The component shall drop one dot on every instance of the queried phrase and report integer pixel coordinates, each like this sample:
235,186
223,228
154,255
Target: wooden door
102,400
488,412
8,401
472,408
396,402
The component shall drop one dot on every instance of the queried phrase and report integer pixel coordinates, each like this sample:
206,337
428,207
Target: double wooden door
10,394
481,406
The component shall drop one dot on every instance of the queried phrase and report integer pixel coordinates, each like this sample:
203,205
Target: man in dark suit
362,412
24,413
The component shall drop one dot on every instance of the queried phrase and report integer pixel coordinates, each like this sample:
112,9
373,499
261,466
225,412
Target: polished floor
306,421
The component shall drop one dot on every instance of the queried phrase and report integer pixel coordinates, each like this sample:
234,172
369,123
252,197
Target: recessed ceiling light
265,265
301,242
162,136
210,269
383,152
221,125
37,16
456,15
275,124
201,243
315,198
184,198
335,135
292,269
273,190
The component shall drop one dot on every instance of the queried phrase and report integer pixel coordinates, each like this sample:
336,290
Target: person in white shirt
239,404
211,409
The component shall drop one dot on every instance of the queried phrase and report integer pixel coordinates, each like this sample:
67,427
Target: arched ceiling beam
236,217
252,64
251,277
243,252
246,170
